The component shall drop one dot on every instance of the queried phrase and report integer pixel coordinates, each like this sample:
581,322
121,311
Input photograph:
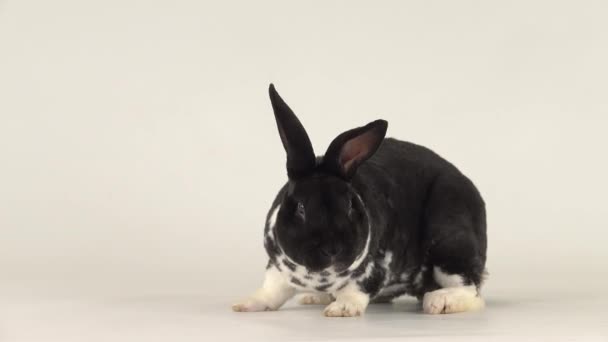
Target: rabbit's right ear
351,148
300,155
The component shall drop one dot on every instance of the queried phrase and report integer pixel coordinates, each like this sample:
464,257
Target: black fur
415,205
373,284
297,281
324,274
322,288
289,264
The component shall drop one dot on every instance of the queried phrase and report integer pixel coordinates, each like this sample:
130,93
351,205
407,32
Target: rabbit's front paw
341,308
274,293
452,300
251,304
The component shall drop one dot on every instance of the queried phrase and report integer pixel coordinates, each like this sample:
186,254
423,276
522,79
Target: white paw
316,299
344,309
452,300
251,305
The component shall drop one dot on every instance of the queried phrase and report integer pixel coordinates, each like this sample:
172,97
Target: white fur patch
350,302
418,278
368,271
452,300
386,264
445,279
274,292
272,221
363,254
392,290
388,258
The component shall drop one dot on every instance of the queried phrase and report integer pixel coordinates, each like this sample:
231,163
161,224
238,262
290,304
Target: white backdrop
138,147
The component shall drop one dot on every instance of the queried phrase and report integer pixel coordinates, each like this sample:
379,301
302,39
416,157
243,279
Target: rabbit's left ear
351,148
300,155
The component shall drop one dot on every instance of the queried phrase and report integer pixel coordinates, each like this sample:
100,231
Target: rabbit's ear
353,147
300,155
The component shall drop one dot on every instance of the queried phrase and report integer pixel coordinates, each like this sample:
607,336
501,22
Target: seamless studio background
139,156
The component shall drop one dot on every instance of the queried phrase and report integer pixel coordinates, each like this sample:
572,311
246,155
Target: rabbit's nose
331,250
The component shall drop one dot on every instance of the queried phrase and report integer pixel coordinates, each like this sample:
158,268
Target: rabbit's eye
300,210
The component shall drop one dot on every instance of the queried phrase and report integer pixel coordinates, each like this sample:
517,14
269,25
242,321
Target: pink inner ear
355,150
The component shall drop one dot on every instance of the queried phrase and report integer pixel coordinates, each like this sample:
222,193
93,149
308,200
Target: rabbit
371,220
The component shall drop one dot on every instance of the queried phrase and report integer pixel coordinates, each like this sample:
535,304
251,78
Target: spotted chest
371,276
328,280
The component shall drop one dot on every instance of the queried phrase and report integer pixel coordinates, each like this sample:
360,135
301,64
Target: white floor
515,312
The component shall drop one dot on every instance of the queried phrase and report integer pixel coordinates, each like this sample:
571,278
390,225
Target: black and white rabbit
372,219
